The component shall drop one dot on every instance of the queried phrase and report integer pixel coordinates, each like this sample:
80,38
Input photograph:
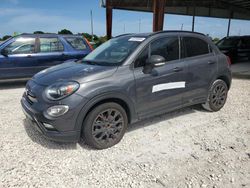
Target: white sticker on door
167,86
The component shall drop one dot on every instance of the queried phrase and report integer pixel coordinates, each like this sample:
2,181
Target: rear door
20,59
50,52
201,64
161,90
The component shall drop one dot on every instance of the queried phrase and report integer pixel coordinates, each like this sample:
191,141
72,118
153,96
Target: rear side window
21,45
76,43
50,45
195,47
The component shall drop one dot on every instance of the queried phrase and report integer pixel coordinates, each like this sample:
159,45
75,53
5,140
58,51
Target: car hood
73,71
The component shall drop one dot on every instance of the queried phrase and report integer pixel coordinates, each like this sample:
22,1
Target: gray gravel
186,148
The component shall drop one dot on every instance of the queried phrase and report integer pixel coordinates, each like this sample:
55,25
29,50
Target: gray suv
127,79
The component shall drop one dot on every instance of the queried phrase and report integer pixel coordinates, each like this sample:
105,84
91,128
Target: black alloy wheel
105,125
217,96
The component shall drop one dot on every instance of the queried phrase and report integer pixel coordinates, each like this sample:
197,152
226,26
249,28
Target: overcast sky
53,15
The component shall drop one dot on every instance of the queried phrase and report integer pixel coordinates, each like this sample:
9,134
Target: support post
109,14
228,27
229,23
193,22
158,14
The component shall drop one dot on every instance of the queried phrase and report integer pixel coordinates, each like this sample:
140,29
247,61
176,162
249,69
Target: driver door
161,90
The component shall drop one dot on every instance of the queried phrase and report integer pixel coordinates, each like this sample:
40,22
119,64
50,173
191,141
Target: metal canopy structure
228,9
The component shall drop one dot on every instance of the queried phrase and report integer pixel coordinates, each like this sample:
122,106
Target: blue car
23,56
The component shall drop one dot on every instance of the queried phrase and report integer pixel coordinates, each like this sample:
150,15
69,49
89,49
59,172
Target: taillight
229,62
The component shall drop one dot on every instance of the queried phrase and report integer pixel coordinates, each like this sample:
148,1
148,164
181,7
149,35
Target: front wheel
217,96
105,126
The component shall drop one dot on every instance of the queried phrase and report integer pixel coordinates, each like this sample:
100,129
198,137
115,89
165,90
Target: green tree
38,32
65,32
6,37
215,40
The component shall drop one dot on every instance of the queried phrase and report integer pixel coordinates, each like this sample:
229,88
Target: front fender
102,97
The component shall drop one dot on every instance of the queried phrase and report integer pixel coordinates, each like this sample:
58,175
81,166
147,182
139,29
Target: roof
236,9
158,32
49,35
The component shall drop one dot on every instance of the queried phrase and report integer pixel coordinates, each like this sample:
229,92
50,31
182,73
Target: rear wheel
105,125
217,96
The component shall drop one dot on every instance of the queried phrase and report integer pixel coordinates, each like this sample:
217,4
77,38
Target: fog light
56,111
48,126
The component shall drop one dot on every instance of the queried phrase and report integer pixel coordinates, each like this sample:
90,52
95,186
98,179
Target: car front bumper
37,119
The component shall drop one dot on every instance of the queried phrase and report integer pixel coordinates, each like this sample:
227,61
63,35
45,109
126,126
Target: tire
105,126
217,96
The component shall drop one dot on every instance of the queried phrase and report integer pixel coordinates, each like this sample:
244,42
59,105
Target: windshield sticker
136,39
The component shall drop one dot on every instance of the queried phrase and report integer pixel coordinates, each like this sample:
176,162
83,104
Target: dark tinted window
21,45
245,42
76,43
195,46
166,47
228,42
50,45
141,60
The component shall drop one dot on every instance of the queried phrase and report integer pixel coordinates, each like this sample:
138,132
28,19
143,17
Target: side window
141,60
166,47
21,45
76,43
50,45
245,43
195,46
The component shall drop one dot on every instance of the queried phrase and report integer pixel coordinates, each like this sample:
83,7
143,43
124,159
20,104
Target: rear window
195,46
76,43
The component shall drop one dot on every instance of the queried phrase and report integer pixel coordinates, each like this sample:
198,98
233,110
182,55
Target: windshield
228,42
114,51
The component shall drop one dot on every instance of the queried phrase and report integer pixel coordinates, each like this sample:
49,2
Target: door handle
211,62
28,56
177,69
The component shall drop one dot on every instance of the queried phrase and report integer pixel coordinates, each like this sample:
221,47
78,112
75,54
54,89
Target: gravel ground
185,148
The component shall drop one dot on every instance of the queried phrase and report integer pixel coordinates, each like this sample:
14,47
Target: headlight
61,90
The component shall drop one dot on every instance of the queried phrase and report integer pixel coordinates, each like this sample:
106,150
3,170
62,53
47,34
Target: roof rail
180,31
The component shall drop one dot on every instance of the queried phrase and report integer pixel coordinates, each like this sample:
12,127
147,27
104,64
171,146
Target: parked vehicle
235,47
126,79
25,55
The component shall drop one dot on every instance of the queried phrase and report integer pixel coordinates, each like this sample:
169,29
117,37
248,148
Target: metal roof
236,9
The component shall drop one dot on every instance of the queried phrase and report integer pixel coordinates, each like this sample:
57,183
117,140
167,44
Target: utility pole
139,25
92,32
124,28
181,27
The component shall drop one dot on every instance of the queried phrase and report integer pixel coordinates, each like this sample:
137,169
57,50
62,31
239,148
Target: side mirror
153,62
4,52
